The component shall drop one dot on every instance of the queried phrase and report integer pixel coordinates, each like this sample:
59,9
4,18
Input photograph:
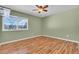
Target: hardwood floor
40,45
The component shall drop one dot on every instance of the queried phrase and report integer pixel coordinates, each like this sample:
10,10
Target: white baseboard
18,40
38,36
61,38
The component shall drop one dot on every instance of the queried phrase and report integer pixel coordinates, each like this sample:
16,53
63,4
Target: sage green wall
33,30
0,26
64,25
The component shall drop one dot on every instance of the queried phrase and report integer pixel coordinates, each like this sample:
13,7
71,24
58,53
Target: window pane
9,22
22,24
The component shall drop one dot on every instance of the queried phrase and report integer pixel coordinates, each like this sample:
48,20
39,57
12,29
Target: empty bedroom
39,29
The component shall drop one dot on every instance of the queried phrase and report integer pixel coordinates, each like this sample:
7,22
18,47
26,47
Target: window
13,23
4,11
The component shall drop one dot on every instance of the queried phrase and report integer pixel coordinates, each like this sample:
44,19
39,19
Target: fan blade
45,10
39,6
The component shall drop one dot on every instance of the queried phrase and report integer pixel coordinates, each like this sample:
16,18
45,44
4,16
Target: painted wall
33,30
64,25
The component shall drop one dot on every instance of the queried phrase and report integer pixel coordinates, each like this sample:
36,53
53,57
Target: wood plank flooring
40,45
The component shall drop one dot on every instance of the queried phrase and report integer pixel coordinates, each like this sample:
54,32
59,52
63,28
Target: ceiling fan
41,8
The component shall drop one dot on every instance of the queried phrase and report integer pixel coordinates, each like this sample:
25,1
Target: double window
14,23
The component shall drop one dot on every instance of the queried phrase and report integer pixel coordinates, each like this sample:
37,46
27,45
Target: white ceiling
52,9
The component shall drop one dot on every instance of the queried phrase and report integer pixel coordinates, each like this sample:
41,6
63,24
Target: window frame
17,29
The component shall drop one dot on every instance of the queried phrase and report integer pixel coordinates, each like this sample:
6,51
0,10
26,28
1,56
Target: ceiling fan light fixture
41,8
